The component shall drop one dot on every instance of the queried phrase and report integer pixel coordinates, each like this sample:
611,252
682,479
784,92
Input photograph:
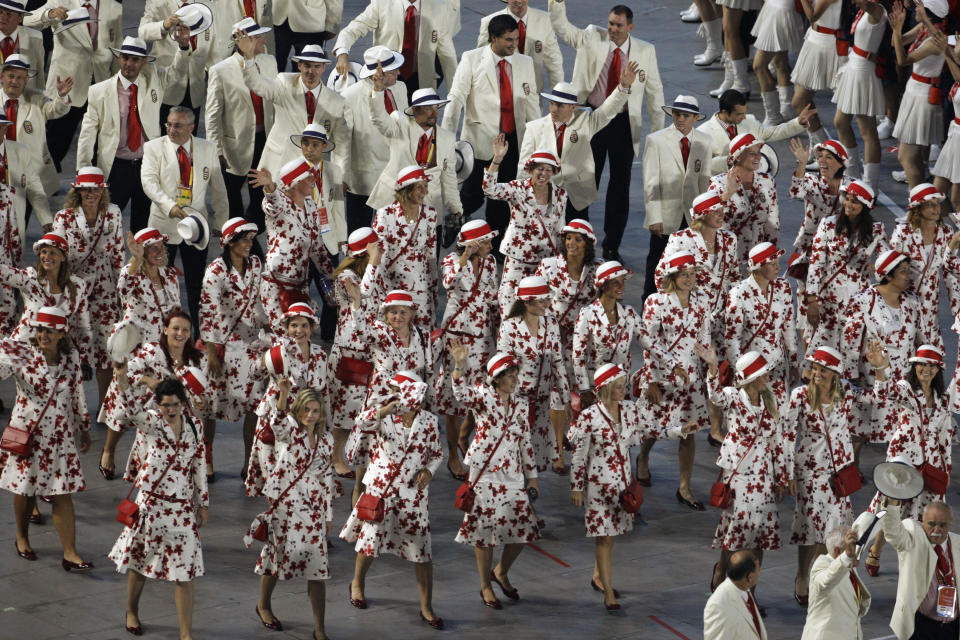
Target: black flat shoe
643,482
349,475
459,477
713,442
493,604
436,623
696,505
596,587
75,566
273,626
513,594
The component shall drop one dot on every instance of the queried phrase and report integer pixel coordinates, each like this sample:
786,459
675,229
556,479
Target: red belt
924,79
863,53
956,119
281,283
826,30
167,498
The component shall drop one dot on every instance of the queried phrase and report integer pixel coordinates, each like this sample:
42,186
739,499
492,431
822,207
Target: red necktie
8,47
12,117
92,25
184,163
685,150
423,150
523,36
311,106
318,180
257,109
388,102
944,569
613,76
134,129
409,46
507,122
193,42
856,585
732,131
249,9
560,131
753,612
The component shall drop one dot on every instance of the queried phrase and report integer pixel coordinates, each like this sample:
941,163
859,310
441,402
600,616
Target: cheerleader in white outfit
736,49
819,59
778,32
946,171
920,119
859,91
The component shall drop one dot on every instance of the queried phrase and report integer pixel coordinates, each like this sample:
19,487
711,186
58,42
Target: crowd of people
363,182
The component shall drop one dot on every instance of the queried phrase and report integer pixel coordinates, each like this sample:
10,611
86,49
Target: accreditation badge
184,195
946,601
323,220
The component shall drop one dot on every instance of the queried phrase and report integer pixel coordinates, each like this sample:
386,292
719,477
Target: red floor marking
668,627
549,555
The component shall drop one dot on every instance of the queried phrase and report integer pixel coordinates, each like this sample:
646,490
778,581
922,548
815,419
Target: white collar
497,59
624,48
13,36
124,82
744,595
315,91
4,97
522,18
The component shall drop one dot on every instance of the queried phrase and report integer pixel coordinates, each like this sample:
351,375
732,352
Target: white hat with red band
541,156
401,378
273,360
741,143
706,203
295,171
924,192
887,262
928,354
360,239
861,191
762,254
678,261
234,227
584,228
533,288
90,178
606,374
610,270
835,147
51,240
301,309
411,175
148,236
50,317
398,298
827,357
474,230
194,380
499,363
751,366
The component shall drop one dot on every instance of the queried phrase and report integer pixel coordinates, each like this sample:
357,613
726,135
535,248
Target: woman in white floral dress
93,228
149,288
600,467
537,209
402,464
298,490
163,542
533,338
502,472
50,406
678,317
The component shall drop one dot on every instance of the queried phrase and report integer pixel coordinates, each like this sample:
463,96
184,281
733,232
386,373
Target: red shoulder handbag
354,371
935,479
721,493
16,439
261,531
846,481
466,496
371,508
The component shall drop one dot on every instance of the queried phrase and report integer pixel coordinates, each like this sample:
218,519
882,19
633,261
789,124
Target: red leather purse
935,479
353,371
261,532
466,496
266,436
632,497
846,481
721,495
370,508
725,373
16,440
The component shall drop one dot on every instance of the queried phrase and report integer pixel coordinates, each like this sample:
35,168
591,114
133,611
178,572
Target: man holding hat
362,154
601,54
537,40
159,19
122,114
178,169
82,48
26,41
237,120
298,98
419,30
675,171
566,132
838,597
415,139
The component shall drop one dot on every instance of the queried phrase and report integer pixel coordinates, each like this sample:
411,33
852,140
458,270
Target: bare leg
507,558
264,606
643,458
876,549
604,566
686,451
135,582
209,432
720,569
731,33
104,376
761,67
466,428
357,485
708,10
249,429
339,442
109,449
716,422
360,569
484,562
65,523
955,197
317,592
424,571
801,98
22,508
452,429
844,125
913,160
871,142
782,64
183,596
558,419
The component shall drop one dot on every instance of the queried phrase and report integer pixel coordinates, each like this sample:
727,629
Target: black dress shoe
493,604
26,555
597,587
696,505
436,623
76,566
513,594
612,254
713,442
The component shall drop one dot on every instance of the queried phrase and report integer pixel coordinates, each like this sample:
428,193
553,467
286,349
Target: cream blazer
23,176
541,44
720,139
228,13
332,200
33,111
475,91
833,612
385,19
30,44
229,117
668,188
303,16
160,174
593,47
726,616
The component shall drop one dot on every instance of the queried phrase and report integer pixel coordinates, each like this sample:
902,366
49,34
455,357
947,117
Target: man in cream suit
298,100
676,162
238,120
361,153
567,131
420,30
81,52
178,170
928,561
537,40
15,38
122,114
298,23
838,597
600,53
226,14
20,170
495,88
731,612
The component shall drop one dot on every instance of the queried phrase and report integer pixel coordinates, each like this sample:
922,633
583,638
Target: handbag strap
576,296
736,469
43,411
543,225
826,433
623,464
93,245
406,245
394,475
486,464
163,475
763,323
246,304
283,494
470,296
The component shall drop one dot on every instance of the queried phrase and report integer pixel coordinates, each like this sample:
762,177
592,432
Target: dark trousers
657,245
165,110
328,314
235,184
194,266
471,191
615,141
928,629
358,213
60,134
125,187
413,83
573,212
285,38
